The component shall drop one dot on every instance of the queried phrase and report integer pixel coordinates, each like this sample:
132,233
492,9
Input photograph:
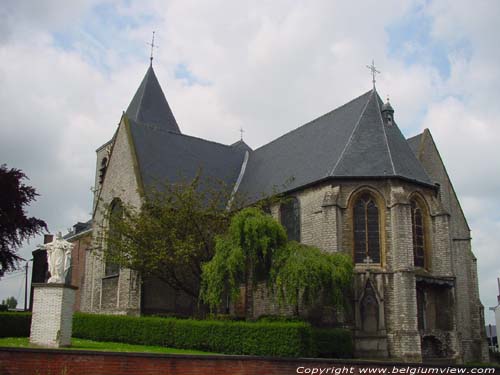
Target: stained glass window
417,224
366,230
290,218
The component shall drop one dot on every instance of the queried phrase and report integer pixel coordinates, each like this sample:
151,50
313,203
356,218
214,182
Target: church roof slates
149,105
350,141
165,156
303,155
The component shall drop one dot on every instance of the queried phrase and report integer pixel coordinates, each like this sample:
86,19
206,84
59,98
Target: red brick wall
78,265
72,362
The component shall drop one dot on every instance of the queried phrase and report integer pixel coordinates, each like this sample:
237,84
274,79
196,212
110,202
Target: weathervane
374,71
152,44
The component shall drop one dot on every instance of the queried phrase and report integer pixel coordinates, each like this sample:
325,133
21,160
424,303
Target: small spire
374,72
152,44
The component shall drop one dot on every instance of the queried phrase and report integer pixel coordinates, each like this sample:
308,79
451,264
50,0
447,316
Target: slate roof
149,105
350,141
171,156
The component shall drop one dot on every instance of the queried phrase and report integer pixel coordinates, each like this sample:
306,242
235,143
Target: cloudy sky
69,69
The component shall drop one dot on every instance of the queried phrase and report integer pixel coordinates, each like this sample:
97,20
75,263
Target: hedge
283,339
15,324
251,338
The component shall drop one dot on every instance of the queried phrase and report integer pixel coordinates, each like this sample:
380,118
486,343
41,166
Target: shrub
251,338
264,338
333,342
15,324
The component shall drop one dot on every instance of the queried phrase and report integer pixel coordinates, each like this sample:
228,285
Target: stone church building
356,185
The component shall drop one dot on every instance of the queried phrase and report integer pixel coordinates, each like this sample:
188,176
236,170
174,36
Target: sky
69,69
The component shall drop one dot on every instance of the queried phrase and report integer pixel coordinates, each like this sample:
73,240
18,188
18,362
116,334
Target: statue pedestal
52,317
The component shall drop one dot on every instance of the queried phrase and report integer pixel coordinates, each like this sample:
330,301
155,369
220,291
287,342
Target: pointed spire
149,105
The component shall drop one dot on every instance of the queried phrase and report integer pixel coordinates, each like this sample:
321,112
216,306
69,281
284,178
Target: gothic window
418,233
366,230
290,218
115,214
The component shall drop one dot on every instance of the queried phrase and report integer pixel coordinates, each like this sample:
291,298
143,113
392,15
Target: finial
241,134
152,44
374,71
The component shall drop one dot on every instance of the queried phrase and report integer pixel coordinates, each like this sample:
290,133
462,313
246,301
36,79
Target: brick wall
72,362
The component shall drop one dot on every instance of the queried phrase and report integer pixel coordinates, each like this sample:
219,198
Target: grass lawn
80,344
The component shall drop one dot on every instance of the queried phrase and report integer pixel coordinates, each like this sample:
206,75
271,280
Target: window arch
418,233
366,230
290,218
115,214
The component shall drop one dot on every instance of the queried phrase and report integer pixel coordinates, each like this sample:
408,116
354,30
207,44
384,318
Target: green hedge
275,338
266,339
15,324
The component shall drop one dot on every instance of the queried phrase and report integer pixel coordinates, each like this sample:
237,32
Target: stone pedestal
52,317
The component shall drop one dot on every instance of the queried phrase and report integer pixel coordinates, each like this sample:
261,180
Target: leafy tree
10,302
303,275
172,234
15,226
243,256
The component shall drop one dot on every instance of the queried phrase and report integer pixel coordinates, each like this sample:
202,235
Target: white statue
58,259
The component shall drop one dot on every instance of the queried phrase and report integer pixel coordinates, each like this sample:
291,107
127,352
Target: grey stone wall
119,294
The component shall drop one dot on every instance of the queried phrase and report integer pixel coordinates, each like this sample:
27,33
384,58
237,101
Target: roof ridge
385,135
351,136
312,121
159,129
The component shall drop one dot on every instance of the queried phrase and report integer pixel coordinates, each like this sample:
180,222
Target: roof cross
152,44
374,71
241,133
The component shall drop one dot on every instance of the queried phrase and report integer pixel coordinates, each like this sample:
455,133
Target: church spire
149,105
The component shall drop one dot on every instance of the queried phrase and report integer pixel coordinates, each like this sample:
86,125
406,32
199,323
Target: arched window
115,214
418,233
290,218
366,230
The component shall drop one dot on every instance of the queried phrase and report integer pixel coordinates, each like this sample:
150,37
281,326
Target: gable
121,179
425,149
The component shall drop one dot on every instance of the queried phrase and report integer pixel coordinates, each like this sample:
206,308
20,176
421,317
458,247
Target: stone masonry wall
104,294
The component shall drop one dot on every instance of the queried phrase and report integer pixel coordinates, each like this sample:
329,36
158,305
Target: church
355,185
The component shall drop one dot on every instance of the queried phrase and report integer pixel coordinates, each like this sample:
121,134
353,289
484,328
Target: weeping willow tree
243,256
256,249
303,275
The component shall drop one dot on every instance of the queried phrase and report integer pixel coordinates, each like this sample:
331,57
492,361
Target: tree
243,256
255,249
305,275
15,226
172,234
10,302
